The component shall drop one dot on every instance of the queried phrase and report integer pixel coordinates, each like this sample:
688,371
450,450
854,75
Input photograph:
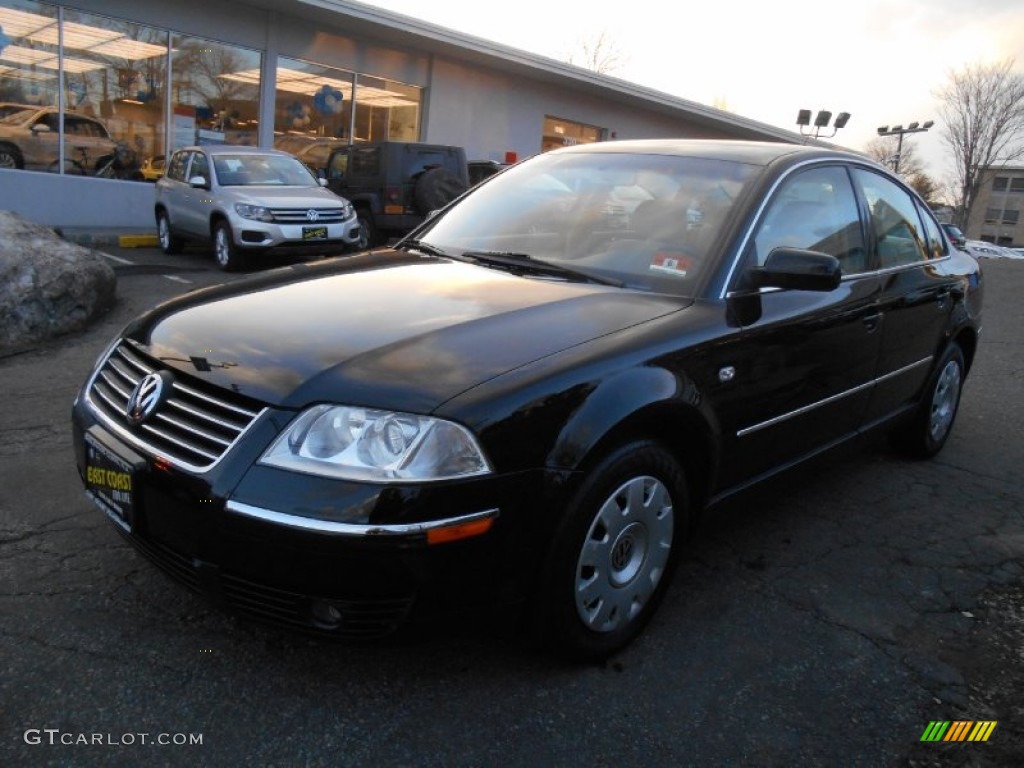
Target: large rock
48,286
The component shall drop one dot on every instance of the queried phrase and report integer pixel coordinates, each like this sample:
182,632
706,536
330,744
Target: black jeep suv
395,184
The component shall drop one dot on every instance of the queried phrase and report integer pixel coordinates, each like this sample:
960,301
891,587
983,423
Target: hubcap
624,554
944,401
165,234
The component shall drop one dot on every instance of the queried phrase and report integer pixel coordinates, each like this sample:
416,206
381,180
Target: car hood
387,330
292,196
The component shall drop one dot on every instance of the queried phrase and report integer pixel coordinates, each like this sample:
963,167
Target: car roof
752,152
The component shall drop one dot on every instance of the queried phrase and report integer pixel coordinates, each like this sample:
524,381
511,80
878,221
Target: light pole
899,130
803,119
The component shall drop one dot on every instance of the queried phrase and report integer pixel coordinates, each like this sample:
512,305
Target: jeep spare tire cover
435,189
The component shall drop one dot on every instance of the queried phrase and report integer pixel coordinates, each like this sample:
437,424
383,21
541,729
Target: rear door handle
871,321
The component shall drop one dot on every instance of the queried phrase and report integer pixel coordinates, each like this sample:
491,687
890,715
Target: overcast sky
880,60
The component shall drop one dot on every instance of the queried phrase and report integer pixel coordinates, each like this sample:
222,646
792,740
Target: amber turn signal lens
456,532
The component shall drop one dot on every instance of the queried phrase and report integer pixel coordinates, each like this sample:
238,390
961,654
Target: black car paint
543,396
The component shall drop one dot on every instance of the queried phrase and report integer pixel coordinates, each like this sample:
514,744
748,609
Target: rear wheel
926,432
224,247
169,243
613,557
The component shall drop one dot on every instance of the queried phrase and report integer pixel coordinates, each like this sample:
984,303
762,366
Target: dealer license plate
110,480
314,233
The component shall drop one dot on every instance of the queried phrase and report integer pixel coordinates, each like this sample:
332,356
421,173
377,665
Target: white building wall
489,113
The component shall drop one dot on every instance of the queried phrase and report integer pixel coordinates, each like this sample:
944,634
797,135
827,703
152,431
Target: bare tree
926,187
885,148
983,115
599,54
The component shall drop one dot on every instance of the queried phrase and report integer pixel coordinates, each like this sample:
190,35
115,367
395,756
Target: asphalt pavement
825,620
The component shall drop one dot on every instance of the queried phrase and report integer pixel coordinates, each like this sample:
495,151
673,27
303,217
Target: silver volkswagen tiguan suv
249,199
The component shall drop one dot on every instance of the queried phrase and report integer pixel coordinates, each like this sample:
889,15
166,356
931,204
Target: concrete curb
104,238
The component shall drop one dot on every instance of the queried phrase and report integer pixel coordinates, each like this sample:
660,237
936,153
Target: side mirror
321,181
40,128
198,182
797,269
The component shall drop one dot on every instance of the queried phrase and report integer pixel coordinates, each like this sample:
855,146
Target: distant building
996,215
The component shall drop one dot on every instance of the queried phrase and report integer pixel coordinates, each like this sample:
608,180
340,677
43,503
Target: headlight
376,446
257,212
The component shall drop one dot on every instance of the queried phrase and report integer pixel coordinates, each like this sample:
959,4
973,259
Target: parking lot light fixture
900,131
821,122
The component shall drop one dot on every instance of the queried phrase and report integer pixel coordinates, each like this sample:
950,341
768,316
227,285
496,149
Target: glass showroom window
115,75
215,92
28,62
386,110
312,111
113,78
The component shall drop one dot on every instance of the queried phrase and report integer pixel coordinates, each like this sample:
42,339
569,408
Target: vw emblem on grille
144,399
313,215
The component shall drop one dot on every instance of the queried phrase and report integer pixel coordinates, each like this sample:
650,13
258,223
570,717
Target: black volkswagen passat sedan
532,396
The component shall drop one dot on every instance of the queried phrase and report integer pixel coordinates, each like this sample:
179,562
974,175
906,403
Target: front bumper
343,559
259,235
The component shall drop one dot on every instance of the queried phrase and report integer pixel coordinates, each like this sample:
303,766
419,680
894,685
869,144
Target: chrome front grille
193,428
301,215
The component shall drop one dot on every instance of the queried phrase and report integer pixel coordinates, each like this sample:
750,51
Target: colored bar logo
959,730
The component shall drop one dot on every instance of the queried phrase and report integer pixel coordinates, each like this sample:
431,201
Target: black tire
435,189
927,430
169,242
367,231
10,157
614,553
224,248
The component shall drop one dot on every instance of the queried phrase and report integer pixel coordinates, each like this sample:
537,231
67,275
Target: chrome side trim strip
812,406
352,529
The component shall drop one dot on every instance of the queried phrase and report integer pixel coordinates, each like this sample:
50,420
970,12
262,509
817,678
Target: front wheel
367,230
926,432
614,554
224,247
10,157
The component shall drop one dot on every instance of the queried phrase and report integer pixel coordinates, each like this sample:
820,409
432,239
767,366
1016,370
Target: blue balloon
328,101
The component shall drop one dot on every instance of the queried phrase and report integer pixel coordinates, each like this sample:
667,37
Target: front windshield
646,220
249,170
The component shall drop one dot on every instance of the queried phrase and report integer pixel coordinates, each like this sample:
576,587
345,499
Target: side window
176,169
814,210
936,245
51,121
337,165
365,161
894,219
200,166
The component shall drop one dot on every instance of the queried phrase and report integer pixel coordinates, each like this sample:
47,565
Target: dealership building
113,86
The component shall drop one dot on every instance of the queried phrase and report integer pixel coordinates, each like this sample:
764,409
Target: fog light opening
326,615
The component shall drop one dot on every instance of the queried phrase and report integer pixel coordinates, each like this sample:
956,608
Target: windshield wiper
524,263
427,248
